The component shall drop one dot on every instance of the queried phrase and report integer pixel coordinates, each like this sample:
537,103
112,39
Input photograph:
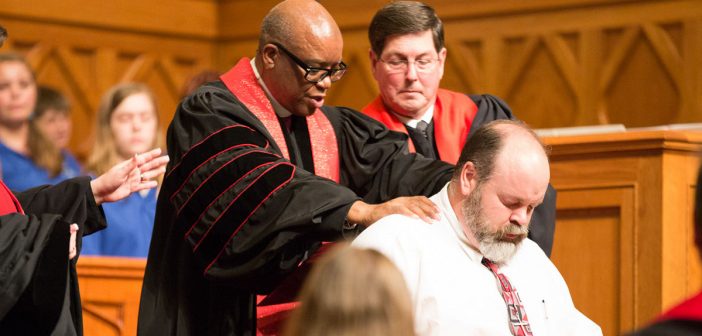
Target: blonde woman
127,124
353,292
28,159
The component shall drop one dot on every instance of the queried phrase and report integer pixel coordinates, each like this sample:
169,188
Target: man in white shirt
501,176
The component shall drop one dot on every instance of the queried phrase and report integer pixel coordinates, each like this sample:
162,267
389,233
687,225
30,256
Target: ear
468,179
373,59
442,61
269,55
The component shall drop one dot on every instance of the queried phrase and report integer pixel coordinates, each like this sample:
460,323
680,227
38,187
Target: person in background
52,117
127,124
353,292
407,57
27,157
475,272
194,82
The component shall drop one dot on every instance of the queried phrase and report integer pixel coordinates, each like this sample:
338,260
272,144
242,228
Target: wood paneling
624,223
556,62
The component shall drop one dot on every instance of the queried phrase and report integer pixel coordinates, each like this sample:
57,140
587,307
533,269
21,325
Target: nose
324,84
520,216
411,73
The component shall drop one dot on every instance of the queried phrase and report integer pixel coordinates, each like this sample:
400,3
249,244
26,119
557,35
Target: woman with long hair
127,124
28,159
353,292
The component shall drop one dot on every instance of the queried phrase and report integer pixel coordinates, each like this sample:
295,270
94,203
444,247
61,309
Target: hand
415,206
72,241
129,176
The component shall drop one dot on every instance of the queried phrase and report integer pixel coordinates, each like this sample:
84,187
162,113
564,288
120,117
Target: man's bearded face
498,242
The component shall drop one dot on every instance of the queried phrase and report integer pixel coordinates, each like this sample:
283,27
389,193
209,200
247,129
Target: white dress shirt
454,294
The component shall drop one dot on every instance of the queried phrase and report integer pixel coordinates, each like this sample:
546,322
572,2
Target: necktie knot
422,128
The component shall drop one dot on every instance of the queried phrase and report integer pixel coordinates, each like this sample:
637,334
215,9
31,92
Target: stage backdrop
556,62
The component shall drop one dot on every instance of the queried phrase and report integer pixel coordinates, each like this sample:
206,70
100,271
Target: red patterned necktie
519,323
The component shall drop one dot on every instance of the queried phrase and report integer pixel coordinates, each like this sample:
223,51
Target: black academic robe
234,217
38,283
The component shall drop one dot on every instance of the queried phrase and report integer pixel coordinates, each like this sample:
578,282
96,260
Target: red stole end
8,202
453,115
242,82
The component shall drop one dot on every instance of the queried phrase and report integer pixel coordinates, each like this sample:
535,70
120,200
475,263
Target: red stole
690,309
241,81
8,202
453,114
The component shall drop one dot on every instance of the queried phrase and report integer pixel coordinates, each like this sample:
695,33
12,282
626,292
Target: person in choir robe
407,57
685,318
353,292
126,124
40,239
27,157
52,117
475,272
262,173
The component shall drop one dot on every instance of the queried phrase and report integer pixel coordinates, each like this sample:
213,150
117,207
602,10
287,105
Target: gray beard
492,244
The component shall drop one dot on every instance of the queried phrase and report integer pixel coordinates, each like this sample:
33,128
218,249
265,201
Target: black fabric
192,293
38,285
543,220
671,328
423,139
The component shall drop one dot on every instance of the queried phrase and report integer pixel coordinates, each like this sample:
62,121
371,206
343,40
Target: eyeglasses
314,74
401,65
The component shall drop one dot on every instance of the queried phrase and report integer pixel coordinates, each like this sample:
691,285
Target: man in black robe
38,248
262,173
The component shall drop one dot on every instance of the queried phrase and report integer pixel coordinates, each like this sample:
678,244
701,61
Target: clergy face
320,47
18,93
408,73
497,212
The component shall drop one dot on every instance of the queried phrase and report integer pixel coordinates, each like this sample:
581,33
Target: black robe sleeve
38,284
375,161
543,221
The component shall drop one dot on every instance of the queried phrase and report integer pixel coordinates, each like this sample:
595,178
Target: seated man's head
501,176
407,56
299,54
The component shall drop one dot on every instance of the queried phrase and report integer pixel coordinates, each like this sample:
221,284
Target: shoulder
396,232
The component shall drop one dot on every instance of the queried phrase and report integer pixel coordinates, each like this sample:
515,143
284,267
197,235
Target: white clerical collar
428,115
444,204
279,109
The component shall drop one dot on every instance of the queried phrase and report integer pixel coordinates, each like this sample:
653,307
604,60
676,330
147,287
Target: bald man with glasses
263,173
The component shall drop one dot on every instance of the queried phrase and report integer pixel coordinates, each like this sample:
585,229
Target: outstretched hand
415,206
129,176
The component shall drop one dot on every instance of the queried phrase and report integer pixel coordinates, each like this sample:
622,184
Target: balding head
299,37
502,175
297,23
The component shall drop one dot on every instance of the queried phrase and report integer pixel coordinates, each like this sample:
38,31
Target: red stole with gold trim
453,115
241,81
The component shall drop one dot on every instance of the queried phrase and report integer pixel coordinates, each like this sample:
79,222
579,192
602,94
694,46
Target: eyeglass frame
327,72
405,63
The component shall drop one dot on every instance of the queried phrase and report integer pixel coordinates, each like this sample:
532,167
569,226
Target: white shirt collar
279,109
442,200
428,115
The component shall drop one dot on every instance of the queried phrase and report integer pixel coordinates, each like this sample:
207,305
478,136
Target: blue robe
129,225
20,173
